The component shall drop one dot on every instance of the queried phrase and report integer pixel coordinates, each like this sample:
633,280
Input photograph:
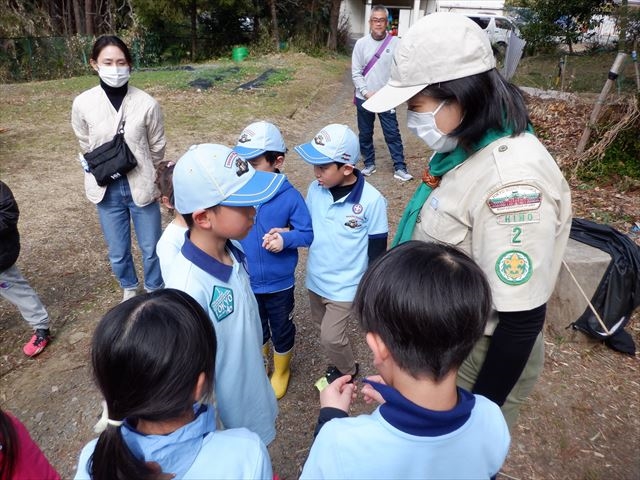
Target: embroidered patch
353,222
357,209
520,217
516,198
514,267
221,302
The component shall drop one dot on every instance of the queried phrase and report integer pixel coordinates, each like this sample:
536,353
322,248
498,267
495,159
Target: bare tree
274,24
88,17
334,17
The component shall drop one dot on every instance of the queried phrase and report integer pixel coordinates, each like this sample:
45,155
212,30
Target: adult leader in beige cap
490,188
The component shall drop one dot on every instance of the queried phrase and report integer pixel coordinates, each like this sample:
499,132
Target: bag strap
376,56
120,128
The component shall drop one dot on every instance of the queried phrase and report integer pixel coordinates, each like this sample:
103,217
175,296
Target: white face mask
114,76
424,126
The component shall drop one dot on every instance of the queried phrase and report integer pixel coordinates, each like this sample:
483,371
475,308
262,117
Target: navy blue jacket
273,272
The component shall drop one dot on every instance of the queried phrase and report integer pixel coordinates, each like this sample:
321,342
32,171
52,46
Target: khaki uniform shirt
508,206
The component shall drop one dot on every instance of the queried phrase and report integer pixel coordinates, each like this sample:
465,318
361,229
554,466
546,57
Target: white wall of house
357,13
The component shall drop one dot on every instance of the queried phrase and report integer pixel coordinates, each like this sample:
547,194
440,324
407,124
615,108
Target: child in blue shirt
350,228
215,191
423,306
282,224
172,237
153,359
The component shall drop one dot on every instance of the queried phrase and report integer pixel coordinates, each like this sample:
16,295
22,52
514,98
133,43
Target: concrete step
566,304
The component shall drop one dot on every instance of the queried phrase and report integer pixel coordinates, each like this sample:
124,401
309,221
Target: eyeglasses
378,20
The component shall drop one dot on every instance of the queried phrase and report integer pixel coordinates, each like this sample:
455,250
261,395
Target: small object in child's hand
322,383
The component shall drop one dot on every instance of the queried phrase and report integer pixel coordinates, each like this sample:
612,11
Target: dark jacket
9,236
272,272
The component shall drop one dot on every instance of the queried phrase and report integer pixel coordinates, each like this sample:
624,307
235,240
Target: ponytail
112,459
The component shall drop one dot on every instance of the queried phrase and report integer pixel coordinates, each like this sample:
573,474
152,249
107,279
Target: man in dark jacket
13,285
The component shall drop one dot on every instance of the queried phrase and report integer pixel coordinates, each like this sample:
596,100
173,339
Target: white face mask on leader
424,126
114,76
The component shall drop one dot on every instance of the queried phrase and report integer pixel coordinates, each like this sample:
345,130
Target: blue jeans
116,210
389,123
276,313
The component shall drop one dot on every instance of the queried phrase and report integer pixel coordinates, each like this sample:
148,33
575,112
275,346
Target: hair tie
105,421
170,164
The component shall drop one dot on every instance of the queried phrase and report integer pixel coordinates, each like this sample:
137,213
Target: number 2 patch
514,267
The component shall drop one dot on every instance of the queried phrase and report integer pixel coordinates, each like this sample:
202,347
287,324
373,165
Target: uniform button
502,148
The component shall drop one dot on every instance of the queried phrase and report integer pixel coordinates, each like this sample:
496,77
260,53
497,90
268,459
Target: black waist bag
111,160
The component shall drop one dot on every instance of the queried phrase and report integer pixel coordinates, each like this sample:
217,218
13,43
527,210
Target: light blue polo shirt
244,393
338,256
402,440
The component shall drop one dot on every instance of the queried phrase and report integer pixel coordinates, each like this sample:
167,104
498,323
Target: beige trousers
332,317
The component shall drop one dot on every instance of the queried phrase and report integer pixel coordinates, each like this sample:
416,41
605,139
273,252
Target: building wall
357,13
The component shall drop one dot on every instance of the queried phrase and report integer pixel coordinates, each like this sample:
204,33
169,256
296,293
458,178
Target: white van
498,28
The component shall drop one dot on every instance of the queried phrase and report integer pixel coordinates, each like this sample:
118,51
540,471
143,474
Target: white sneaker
367,171
403,175
128,293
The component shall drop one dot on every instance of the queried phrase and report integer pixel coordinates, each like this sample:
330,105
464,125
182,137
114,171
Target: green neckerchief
439,164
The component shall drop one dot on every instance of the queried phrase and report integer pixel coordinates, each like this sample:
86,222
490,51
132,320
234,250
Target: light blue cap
210,174
334,143
258,138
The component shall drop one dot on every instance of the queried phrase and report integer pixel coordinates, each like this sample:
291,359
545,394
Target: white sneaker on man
403,175
367,171
128,293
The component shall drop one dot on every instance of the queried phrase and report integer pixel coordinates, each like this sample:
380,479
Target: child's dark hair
8,444
428,302
105,41
147,354
164,180
272,156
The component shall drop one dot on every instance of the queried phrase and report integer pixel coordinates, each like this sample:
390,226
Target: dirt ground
581,422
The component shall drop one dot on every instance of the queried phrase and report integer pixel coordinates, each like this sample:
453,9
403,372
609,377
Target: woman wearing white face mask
491,188
95,116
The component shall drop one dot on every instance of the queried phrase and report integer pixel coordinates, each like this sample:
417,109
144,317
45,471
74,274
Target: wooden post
613,75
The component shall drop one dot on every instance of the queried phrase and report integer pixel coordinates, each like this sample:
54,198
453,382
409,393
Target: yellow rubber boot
281,373
265,357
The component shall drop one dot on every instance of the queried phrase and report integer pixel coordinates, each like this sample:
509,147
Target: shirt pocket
442,226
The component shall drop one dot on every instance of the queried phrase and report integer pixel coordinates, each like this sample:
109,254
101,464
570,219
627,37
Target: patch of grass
584,72
279,77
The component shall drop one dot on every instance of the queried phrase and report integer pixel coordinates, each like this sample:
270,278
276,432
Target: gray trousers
17,290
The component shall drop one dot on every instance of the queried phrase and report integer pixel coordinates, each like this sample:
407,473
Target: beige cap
439,47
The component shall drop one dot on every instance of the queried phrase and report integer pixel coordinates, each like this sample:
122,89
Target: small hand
273,242
338,394
370,394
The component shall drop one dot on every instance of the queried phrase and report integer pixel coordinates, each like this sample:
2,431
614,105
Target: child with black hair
158,421
172,238
425,427
217,192
349,217
282,225
20,457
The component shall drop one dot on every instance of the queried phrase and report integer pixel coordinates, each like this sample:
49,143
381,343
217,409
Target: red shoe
38,342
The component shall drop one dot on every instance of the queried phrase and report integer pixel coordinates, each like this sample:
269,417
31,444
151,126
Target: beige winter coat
94,121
